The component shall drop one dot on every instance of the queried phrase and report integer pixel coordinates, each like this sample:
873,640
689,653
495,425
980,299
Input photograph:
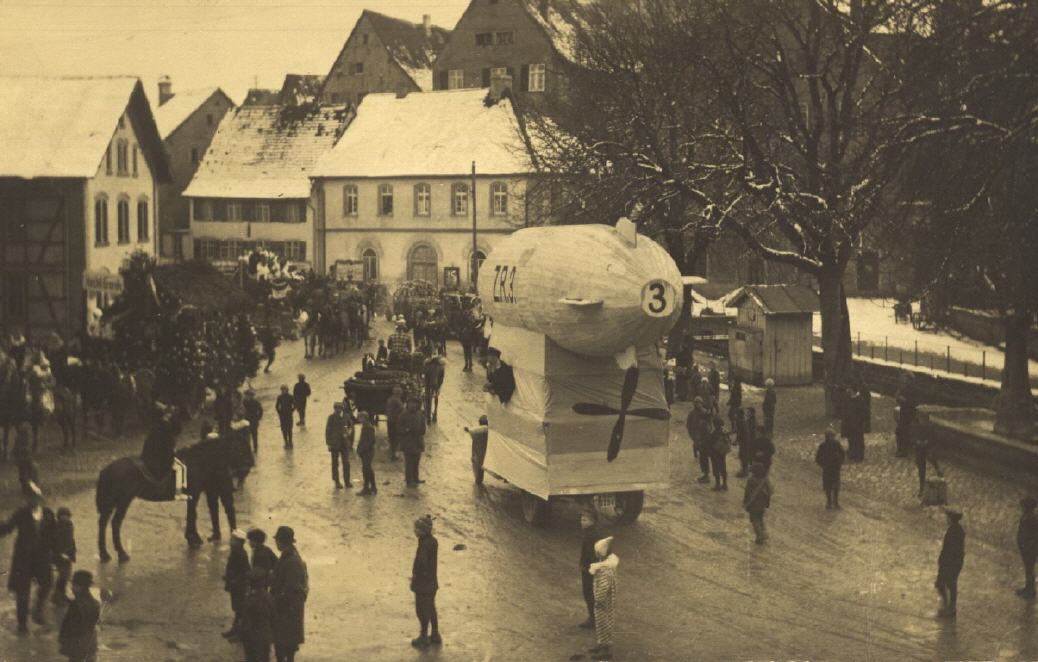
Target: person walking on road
768,408
64,553
31,559
253,414
236,581
300,394
284,406
394,409
335,437
719,445
289,587
590,535
366,452
78,635
424,583
757,499
411,430
924,453
1027,543
269,342
949,563
604,572
257,618
830,457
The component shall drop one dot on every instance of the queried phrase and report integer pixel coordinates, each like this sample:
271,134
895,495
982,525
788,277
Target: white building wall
257,230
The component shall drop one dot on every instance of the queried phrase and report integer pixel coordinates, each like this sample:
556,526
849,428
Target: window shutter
486,76
524,78
443,79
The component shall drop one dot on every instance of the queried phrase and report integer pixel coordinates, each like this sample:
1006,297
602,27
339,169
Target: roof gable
779,299
172,114
556,19
61,127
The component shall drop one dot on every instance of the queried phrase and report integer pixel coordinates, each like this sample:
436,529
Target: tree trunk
836,336
1014,412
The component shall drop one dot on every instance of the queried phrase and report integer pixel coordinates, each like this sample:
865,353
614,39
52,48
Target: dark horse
125,479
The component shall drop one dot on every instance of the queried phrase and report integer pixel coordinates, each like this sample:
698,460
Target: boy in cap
424,583
257,618
289,587
949,563
366,452
235,580
64,553
1027,543
78,635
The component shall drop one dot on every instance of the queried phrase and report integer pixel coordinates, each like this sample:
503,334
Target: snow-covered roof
779,299
557,18
409,45
170,115
61,127
428,133
267,151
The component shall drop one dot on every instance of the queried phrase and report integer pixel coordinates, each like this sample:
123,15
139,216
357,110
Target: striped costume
604,573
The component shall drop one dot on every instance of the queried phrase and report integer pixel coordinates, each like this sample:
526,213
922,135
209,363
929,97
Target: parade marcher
906,416
500,376
1027,543
262,556
78,635
235,581
604,572
366,452
757,499
394,409
64,553
300,394
31,559
253,414
433,373
734,397
719,445
853,426
924,453
269,342
830,457
697,426
590,534
411,430
714,379
335,437
424,583
289,586
949,563
768,408
284,406
257,618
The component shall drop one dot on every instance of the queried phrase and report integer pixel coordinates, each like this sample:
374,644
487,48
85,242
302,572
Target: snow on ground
872,321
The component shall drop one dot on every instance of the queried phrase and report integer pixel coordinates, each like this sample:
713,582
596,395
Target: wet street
855,584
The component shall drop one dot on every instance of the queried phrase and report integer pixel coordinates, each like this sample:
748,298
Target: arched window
349,200
143,221
476,260
101,221
123,221
499,199
421,264
459,198
385,200
422,199
370,259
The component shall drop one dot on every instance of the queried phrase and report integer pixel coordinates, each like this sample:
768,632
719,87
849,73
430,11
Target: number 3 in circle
658,298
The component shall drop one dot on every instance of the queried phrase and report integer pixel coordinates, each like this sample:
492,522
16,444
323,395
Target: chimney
165,89
427,25
498,85
401,92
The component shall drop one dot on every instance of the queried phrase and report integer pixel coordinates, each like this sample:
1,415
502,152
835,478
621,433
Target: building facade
384,54
187,122
252,189
522,39
79,185
396,194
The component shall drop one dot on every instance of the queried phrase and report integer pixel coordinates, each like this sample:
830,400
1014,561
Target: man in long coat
949,563
31,561
411,431
335,432
830,457
289,587
424,583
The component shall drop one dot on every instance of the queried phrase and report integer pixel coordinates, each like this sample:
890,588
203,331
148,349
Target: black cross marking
626,395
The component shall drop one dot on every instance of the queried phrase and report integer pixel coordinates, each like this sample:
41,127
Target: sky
233,44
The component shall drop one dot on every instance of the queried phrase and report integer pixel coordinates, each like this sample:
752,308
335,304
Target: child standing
64,553
236,580
78,636
604,572
257,618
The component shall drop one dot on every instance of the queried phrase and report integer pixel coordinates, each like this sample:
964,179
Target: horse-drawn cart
369,390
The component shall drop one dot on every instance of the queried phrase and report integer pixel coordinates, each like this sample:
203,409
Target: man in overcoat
949,563
830,457
289,587
411,431
424,583
339,446
31,560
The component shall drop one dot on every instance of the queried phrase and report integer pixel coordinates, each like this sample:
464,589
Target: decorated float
578,312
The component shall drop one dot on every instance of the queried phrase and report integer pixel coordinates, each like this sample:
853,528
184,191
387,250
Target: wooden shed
772,337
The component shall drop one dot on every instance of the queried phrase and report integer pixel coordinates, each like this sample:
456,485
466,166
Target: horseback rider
159,446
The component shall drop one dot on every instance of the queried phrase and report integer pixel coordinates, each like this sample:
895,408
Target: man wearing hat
424,583
284,406
31,560
253,414
411,432
500,377
830,456
78,635
1027,543
236,580
300,394
289,586
949,563
339,439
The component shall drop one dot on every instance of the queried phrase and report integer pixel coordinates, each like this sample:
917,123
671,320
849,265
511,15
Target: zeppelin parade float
577,314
